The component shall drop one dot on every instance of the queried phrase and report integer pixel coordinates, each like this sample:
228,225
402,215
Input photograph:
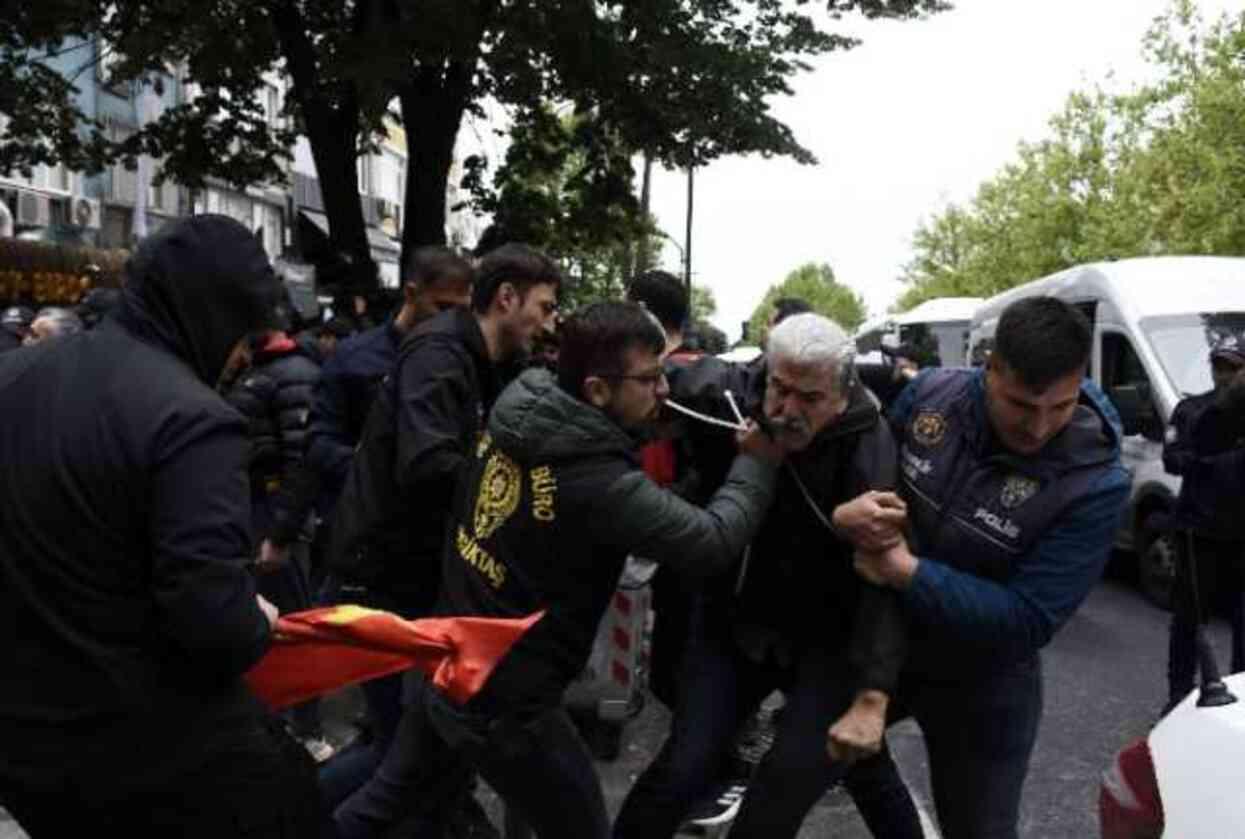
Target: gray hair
814,340
64,322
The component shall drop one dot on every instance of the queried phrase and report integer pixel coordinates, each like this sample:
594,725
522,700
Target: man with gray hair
792,616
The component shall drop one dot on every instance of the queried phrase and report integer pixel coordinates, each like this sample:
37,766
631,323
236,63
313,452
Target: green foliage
704,304
816,285
1158,170
222,133
684,81
565,187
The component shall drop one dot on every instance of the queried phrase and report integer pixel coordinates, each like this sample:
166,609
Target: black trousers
718,690
979,735
1207,569
255,781
539,766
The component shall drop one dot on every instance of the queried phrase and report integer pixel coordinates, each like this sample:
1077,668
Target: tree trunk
332,129
432,104
336,160
643,248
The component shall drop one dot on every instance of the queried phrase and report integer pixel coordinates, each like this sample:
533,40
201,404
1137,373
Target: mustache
791,425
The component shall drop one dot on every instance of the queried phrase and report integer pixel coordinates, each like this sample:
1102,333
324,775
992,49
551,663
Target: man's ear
597,391
507,297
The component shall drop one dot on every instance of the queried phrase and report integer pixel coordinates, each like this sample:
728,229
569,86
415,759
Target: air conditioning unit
86,213
33,210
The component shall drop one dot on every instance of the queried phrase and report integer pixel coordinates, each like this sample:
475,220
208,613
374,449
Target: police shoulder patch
929,427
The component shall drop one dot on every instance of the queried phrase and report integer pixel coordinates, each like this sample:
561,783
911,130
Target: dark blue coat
348,385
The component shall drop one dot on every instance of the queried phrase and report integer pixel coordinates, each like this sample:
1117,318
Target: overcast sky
916,116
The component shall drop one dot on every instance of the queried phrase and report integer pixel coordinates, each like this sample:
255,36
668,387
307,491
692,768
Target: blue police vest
974,506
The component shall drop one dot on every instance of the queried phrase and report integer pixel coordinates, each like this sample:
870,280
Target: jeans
1199,574
720,689
979,732
539,766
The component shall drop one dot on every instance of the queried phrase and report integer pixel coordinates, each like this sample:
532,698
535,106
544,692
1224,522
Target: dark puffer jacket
552,503
275,396
126,606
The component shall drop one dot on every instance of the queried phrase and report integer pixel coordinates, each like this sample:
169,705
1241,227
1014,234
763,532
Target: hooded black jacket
128,613
551,505
798,588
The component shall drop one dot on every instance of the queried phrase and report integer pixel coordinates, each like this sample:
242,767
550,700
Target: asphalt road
1104,685
1104,680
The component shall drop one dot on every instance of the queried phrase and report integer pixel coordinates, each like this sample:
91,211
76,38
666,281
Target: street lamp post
687,238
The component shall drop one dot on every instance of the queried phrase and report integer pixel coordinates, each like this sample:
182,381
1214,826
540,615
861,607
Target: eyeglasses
649,379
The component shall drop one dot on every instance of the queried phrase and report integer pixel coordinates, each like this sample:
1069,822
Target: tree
815,284
335,54
684,81
704,304
565,188
1155,171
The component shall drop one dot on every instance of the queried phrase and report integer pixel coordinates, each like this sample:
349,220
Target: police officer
1011,492
1202,438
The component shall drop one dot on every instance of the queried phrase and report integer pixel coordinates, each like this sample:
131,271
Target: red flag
320,650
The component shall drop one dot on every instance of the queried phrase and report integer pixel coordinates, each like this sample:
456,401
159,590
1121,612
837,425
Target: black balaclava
198,286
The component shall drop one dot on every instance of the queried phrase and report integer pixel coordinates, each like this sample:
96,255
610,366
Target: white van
1154,320
942,324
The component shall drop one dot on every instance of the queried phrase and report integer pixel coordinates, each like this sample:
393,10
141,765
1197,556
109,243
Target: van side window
1089,308
1124,379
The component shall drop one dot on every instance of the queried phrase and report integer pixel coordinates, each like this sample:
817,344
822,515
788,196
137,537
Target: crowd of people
186,469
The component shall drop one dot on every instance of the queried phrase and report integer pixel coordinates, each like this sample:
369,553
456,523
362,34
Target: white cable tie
705,417
730,399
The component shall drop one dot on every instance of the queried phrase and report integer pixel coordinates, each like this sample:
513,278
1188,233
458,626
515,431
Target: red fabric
1129,806
279,342
321,650
658,461
658,458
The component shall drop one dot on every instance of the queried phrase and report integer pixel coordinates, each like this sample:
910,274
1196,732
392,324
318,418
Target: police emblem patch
1017,489
498,496
929,428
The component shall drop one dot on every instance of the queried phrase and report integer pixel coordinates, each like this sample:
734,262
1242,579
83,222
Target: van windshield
1183,342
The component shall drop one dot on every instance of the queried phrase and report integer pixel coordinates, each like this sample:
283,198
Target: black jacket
275,396
389,526
8,341
129,615
553,502
799,588
1205,446
349,383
